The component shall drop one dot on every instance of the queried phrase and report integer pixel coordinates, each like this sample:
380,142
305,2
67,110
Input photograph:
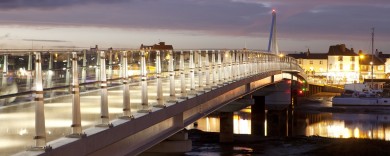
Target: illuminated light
273,10
361,56
300,92
303,89
356,133
281,55
23,132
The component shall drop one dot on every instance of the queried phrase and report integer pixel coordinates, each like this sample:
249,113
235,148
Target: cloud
49,4
40,40
7,35
296,20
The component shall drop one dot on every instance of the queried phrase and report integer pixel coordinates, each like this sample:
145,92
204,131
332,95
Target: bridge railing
55,94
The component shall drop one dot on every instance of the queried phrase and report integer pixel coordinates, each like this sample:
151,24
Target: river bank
207,143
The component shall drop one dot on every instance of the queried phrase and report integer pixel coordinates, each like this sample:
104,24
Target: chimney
360,52
308,52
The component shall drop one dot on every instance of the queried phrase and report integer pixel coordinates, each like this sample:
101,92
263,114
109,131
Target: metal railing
63,93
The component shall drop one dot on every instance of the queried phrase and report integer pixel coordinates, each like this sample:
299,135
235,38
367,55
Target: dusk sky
192,24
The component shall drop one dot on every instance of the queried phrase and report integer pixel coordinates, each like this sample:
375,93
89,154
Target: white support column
213,79
225,66
220,78
67,75
49,72
207,65
160,97
121,67
238,64
40,128
233,62
200,72
29,69
5,65
172,92
126,90
110,64
244,64
49,75
97,67
84,69
144,85
183,90
230,55
5,70
76,113
104,114
192,72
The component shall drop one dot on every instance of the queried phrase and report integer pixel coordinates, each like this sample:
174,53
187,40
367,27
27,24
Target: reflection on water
241,122
333,125
371,126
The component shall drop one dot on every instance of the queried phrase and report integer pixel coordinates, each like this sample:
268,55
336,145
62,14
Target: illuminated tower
272,44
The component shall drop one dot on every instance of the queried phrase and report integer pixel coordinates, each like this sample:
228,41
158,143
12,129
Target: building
160,46
314,64
343,65
339,66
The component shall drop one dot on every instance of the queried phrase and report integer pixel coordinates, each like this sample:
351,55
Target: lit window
380,67
353,58
340,58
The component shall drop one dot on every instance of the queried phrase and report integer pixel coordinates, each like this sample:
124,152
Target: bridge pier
226,127
258,116
177,144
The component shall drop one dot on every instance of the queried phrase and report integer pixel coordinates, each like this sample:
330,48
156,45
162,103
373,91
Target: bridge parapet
149,81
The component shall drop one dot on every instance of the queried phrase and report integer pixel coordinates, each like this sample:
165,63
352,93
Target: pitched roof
341,50
367,60
309,56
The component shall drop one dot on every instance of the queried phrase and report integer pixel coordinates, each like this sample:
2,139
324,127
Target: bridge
93,102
